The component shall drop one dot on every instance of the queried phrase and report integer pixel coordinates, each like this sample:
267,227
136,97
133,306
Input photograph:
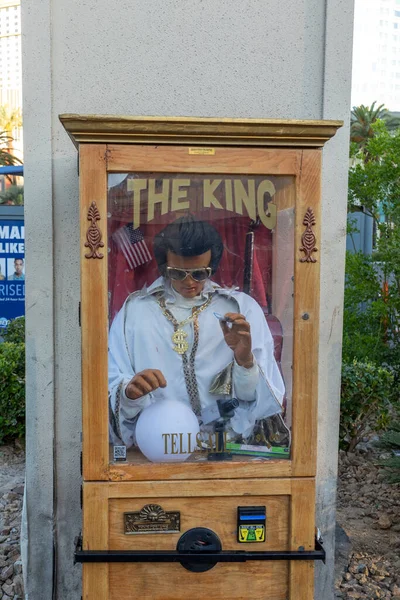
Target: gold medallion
181,345
152,519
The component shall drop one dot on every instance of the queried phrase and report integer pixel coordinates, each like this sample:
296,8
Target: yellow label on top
204,151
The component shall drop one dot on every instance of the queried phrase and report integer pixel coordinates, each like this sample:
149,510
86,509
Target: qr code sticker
119,452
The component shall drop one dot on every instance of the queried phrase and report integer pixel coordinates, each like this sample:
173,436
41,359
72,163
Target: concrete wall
336,90
247,58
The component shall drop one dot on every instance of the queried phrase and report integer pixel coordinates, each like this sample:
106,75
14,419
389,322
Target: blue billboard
12,270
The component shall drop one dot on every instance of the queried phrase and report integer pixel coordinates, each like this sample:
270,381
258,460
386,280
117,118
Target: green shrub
366,394
15,331
372,299
363,322
390,440
12,390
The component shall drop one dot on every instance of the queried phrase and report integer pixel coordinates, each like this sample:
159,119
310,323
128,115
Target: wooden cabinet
258,185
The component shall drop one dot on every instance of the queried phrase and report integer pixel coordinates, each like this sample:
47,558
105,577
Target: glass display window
199,296
200,303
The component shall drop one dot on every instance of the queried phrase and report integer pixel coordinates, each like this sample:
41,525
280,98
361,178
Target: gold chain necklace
179,336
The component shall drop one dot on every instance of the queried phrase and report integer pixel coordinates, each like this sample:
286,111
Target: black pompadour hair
188,237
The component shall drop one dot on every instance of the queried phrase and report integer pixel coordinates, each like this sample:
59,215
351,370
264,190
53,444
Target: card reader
251,523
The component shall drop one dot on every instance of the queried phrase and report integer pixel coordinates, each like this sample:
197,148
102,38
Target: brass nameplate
203,151
152,519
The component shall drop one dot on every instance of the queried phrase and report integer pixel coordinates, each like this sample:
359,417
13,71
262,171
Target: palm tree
10,119
6,158
362,119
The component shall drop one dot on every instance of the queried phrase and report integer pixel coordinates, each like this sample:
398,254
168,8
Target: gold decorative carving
93,234
152,518
192,131
308,238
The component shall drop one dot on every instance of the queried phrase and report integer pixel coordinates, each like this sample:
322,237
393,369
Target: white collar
163,284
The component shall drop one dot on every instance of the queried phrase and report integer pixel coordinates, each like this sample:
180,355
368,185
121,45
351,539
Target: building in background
11,216
376,53
10,65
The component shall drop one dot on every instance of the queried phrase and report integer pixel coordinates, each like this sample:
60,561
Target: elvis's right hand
145,382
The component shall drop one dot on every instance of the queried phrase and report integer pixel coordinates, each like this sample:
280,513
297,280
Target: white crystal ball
166,431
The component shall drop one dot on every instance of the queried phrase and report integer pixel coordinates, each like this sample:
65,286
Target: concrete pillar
263,58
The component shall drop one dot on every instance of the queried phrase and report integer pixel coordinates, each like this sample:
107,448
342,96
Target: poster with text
12,271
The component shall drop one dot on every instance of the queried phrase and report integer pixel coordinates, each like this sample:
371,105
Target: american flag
131,243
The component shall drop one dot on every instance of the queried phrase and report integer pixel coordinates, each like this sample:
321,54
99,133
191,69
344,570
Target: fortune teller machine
199,455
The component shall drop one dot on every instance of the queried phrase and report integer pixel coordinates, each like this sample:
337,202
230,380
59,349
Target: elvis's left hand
238,337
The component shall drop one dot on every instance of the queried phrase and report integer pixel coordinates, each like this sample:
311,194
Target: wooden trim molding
94,311
306,323
197,131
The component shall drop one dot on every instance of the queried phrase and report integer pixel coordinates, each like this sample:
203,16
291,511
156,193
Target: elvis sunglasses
197,274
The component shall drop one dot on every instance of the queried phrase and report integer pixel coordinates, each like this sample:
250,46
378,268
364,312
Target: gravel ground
368,510
12,473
